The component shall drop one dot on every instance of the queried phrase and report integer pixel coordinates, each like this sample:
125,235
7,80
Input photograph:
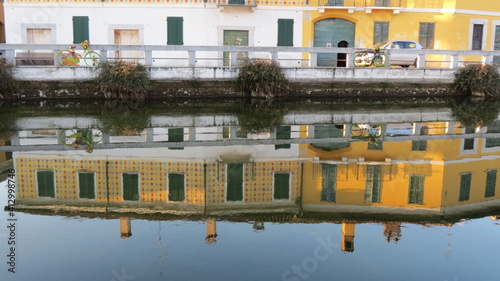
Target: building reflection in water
415,172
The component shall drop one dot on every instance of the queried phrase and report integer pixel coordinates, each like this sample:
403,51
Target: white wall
202,25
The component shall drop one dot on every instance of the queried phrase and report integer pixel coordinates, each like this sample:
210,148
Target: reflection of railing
237,3
361,3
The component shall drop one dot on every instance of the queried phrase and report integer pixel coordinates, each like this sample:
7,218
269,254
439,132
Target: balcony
367,5
237,4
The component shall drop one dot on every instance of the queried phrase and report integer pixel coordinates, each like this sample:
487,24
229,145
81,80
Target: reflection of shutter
175,31
329,182
80,29
130,187
285,32
372,186
416,192
234,182
176,135
86,183
491,179
281,186
45,181
283,133
465,180
176,187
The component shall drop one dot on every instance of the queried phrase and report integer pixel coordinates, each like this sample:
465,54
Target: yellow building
436,24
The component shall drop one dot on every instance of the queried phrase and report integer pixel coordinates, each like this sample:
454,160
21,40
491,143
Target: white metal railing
213,56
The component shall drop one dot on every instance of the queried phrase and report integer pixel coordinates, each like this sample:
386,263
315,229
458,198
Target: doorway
329,33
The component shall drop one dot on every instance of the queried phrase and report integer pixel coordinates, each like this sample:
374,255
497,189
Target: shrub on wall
261,79
123,80
477,80
8,83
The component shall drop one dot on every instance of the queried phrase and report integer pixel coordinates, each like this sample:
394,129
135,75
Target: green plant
123,80
260,117
8,84
81,137
474,113
477,80
261,79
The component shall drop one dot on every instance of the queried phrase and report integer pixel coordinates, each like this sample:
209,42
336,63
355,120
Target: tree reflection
257,116
473,113
124,118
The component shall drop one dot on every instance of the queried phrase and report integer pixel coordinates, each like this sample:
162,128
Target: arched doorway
329,33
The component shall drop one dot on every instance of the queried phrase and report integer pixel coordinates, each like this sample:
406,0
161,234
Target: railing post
192,58
10,57
487,59
349,61
104,55
234,58
421,60
454,61
148,57
313,59
274,56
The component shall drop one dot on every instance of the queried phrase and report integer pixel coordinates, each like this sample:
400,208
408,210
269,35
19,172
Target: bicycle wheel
62,57
379,60
360,59
357,131
92,59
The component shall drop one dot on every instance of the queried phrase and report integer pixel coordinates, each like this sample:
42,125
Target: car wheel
405,66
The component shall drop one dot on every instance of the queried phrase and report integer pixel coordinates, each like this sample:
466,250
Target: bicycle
71,58
366,132
374,58
86,137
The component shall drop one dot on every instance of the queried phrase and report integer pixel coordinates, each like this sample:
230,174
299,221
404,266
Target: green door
176,187
330,32
235,38
86,184
234,182
281,186
130,187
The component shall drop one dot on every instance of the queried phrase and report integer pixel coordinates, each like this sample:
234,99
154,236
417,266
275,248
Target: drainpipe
205,187
107,186
301,212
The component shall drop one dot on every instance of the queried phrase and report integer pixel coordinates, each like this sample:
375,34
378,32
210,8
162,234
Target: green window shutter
426,34
80,29
283,133
380,31
376,145
416,190
491,181
285,32
86,183
465,180
175,31
130,187
176,187
328,182
226,132
234,182
281,186
46,186
477,36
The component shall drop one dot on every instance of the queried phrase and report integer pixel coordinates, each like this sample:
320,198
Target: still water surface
412,196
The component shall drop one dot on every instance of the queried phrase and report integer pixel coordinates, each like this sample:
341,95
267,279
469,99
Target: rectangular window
86,184
468,144
176,135
328,182
376,145
491,181
416,190
496,46
175,33
130,186
419,145
80,29
477,36
285,32
176,187
465,180
380,31
426,34
234,176
281,186
338,3
45,182
373,183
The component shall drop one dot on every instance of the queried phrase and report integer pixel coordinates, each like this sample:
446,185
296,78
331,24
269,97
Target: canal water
196,190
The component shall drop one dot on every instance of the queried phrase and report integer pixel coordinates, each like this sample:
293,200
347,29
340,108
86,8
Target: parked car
403,60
